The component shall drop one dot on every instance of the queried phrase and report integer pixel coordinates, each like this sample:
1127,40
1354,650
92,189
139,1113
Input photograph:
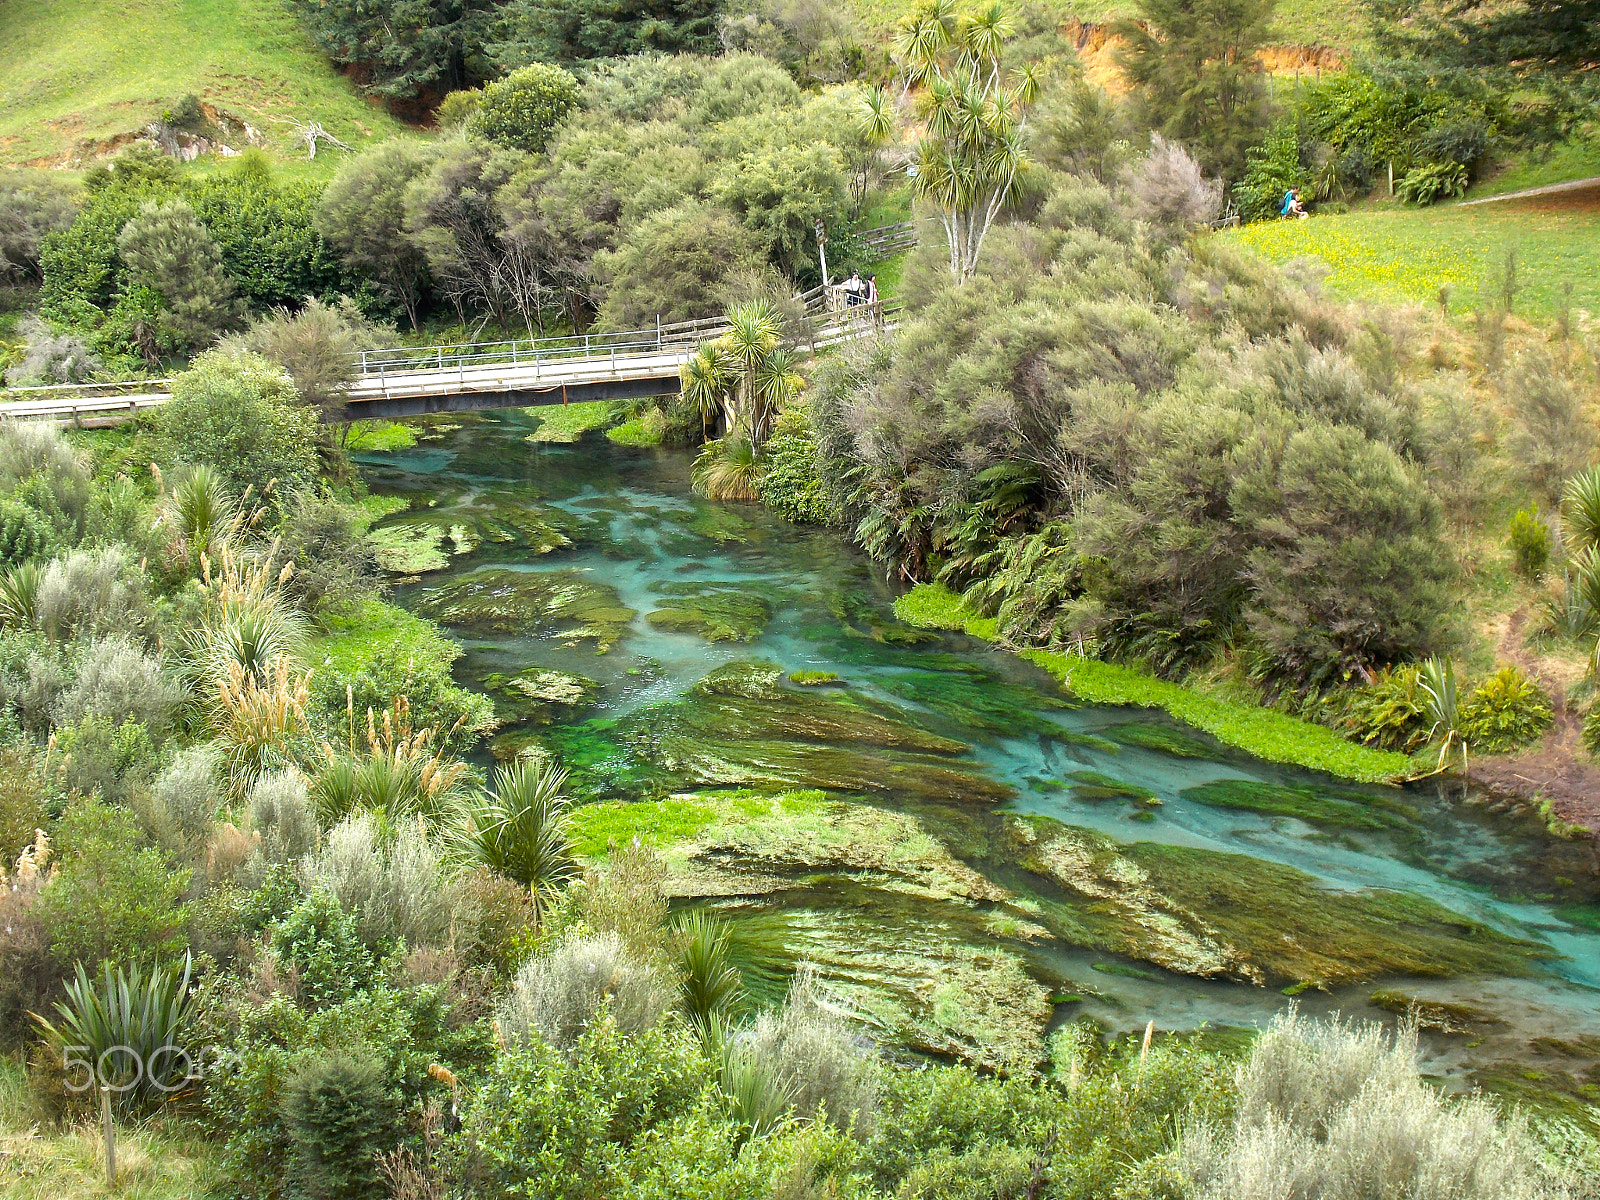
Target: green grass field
74,73
1405,255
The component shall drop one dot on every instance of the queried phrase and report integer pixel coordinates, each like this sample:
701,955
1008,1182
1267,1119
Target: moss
639,431
569,606
815,679
743,725
1262,732
370,509
715,612
1202,912
567,422
1163,738
1314,808
597,827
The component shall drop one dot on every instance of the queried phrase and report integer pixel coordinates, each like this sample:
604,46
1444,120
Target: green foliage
1271,169
1431,182
1441,708
340,1116
320,941
1389,713
134,1029
1505,712
726,469
1530,543
319,346
788,483
780,193
551,1125
362,215
523,109
24,532
112,896
711,984
1195,71
373,653
239,414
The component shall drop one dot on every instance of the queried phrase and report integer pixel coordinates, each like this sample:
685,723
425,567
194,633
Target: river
1135,913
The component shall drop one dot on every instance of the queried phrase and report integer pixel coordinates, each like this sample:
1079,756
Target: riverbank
1262,732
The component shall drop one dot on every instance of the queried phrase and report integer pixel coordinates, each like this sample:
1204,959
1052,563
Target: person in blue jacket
1291,205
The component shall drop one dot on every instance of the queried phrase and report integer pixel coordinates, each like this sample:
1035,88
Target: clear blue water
635,526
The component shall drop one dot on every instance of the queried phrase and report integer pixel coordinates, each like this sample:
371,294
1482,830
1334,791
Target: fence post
110,1132
440,350
658,331
363,362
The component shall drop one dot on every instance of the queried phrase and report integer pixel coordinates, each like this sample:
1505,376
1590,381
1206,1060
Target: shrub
1429,182
282,817
710,984
29,972
495,922
33,204
1168,188
332,562
96,756
1530,544
812,1051
1551,438
523,109
111,897
340,1116
320,941
1505,711
169,251
134,1029
52,357
183,801
557,997
240,414
573,1126
318,347
626,897
456,109
672,265
24,532
520,830
393,886
22,802
42,472
788,482
117,680
1390,712
727,469
1338,1109
86,593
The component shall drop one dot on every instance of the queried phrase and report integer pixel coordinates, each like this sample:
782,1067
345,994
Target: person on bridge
855,292
872,299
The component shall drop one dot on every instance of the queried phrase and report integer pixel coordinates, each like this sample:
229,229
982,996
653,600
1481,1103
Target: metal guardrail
535,365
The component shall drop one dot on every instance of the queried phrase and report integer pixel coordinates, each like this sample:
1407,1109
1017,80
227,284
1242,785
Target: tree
970,163
746,371
523,110
520,831
363,217
319,347
1194,65
781,193
1532,39
404,49
672,263
239,413
32,205
168,250
575,31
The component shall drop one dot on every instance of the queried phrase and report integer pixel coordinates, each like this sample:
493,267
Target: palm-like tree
971,161
745,375
708,378
520,830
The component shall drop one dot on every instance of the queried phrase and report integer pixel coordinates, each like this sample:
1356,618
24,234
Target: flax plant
520,831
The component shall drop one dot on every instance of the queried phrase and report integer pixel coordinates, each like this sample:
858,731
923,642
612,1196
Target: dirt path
1559,769
1591,184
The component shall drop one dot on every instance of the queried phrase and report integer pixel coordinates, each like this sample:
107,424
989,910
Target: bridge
412,381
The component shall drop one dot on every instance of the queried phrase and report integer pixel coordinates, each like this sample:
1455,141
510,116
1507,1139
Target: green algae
1439,1016
743,725
530,526
412,547
568,606
715,612
976,699
816,679
1125,971
599,826
1213,914
1092,785
1584,916
1163,738
1315,808
538,695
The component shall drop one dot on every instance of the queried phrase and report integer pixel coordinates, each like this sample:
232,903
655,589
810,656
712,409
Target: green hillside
76,74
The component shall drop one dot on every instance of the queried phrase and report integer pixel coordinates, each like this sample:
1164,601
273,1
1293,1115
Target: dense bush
1504,712
339,1115
392,885
112,896
240,415
558,997
788,482
320,941
672,264
1530,543
523,109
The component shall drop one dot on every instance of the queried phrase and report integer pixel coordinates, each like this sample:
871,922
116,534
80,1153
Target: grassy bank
80,72
1405,255
1263,732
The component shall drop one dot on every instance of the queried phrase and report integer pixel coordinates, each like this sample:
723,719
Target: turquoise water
634,527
